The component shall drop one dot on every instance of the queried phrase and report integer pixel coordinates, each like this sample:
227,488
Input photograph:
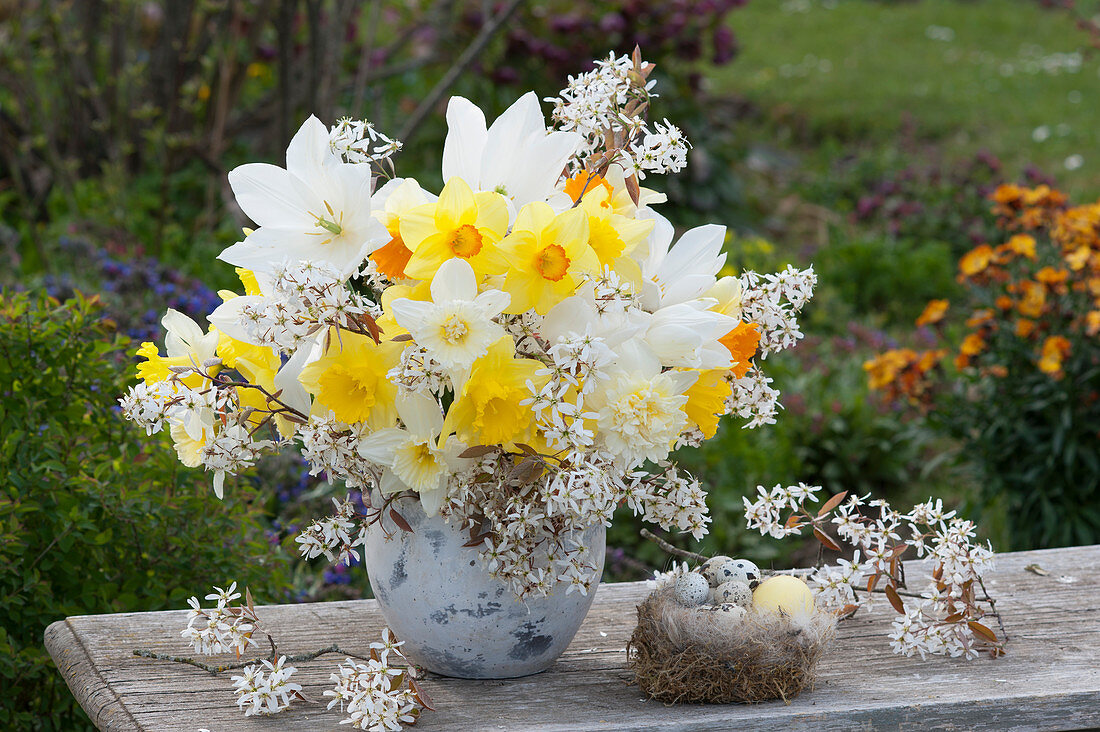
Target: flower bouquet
495,368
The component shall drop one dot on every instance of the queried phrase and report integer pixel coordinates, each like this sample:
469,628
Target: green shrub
94,516
1014,374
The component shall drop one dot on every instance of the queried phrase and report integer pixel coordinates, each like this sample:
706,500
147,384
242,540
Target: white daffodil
184,339
516,156
687,335
640,410
577,316
456,327
411,456
317,208
677,273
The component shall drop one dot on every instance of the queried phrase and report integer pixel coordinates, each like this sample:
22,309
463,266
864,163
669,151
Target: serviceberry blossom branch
377,693
608,107
947,618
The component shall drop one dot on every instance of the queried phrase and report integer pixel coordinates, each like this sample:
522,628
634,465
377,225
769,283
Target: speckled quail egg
692,589
710,568
729,611
738,570
734,592
725,612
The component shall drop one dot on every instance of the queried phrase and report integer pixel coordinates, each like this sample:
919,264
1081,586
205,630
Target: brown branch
461,63
670,549
215,670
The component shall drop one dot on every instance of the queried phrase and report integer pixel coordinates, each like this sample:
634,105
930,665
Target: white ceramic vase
455,619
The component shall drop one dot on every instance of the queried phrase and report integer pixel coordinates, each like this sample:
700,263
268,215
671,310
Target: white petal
379,446
293,393
465,141
412,315
544,158
227,317
421,415
493,302
267,194
430,501
454,280
309,150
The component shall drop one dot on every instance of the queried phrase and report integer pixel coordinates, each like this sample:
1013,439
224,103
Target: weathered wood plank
1049,680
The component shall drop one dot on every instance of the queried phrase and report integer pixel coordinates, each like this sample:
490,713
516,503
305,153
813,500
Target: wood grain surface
1050,678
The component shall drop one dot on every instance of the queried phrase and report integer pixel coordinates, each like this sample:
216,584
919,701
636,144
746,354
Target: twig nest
725,652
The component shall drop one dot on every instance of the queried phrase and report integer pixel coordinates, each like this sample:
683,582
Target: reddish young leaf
899,550
421,696
953,618
872,581
832,503
477,451
400,520
792,521
846,611
527,448
895,599
982,631
401,338
826,540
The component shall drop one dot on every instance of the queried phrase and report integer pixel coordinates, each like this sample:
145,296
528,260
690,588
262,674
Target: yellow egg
783,592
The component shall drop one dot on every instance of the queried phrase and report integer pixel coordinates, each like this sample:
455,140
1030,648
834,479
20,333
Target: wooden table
1050,678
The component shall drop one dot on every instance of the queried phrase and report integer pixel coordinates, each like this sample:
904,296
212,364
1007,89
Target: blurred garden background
865,138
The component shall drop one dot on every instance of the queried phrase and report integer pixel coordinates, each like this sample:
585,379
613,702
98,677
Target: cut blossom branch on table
376,693
947,617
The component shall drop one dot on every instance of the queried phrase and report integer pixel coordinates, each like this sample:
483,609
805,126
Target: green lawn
1003,75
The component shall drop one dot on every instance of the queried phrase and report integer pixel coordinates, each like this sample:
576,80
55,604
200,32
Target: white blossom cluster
266,688
332,447
375,695
231,450
596,103
753,398
524,329
576,364
773,301
221,629
880,535
220,437
418,373
357,141
147,405
306,298
335,536
536,530
675,499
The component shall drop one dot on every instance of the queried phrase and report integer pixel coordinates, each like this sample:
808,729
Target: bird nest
686,655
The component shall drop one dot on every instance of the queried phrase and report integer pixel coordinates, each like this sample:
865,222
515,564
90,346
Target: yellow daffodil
611,235
350,379
547,257
186,345
188,448
390,203
489,411
460,224
706,400
410,456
